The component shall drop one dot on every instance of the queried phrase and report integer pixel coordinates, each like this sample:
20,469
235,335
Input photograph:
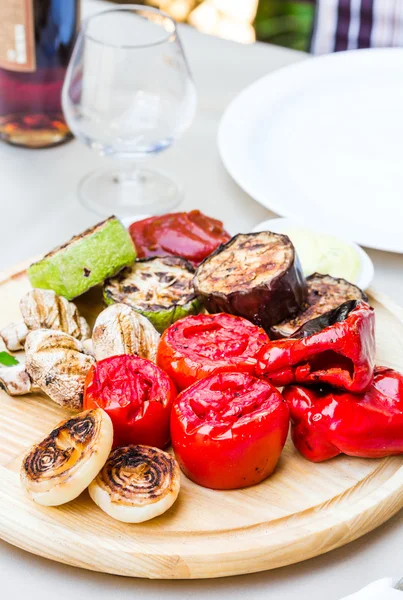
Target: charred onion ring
60,467
136,484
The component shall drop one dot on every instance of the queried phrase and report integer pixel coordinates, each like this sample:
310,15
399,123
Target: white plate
322,141
366,272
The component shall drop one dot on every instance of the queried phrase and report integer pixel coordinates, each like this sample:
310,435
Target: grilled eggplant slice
161,289
256,275
326,294
85,261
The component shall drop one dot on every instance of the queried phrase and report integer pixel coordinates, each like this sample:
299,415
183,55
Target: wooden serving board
302,511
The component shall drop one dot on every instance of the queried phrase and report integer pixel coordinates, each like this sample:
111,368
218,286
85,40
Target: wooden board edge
266,550
16,270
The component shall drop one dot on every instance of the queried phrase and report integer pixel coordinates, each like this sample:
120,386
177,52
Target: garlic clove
15,380
14,336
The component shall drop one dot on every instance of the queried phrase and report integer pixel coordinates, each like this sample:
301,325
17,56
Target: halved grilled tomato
228,430
199,345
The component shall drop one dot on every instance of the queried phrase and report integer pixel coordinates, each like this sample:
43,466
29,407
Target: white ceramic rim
280,82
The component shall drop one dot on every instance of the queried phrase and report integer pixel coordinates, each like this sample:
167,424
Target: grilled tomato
198,345
228,430
137,396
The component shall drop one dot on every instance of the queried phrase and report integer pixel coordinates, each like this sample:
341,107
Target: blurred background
279,22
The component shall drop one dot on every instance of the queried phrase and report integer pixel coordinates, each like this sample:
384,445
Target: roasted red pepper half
341,355
328,422
228,430
191,235
196,346
137,396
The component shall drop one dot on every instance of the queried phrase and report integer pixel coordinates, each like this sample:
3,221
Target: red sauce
191,235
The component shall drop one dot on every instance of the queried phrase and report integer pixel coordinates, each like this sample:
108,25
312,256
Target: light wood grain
301,511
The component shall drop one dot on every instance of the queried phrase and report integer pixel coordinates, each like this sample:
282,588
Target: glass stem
125,175
130,188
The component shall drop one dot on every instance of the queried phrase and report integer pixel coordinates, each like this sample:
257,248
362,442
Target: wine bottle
36,41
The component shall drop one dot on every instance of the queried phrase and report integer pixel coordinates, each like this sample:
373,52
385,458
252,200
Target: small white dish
282,225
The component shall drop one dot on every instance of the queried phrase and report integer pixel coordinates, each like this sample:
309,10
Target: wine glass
128,94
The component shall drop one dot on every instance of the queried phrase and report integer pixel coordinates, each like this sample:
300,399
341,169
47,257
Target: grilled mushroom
88,347
136,484
121,330
43,309
56,362
60,467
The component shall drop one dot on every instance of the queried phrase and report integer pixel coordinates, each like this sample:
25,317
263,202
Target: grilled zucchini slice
161,289
85,261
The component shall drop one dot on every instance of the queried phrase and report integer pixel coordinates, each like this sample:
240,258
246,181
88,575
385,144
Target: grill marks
325,294
73,439
80,236
60,467
82,430
121,330
46,457
138,475
153,284
256,276
56,363
45,309
246,262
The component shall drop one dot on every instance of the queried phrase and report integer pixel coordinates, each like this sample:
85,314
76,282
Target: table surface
39,209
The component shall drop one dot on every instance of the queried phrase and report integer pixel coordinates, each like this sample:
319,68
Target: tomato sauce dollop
191,235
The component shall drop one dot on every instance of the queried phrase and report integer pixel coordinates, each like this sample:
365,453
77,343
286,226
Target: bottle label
17,38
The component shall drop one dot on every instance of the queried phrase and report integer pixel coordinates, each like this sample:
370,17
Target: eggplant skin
123,289
265,282
328,299
337,315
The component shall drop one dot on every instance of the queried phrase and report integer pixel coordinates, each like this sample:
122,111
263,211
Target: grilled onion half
60,467
136,484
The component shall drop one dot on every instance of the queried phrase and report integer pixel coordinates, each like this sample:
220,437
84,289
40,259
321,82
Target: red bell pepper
136,394
199,345
341,355
328,422
228,430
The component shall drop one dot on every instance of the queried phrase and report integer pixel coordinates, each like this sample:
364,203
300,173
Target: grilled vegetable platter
205,352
